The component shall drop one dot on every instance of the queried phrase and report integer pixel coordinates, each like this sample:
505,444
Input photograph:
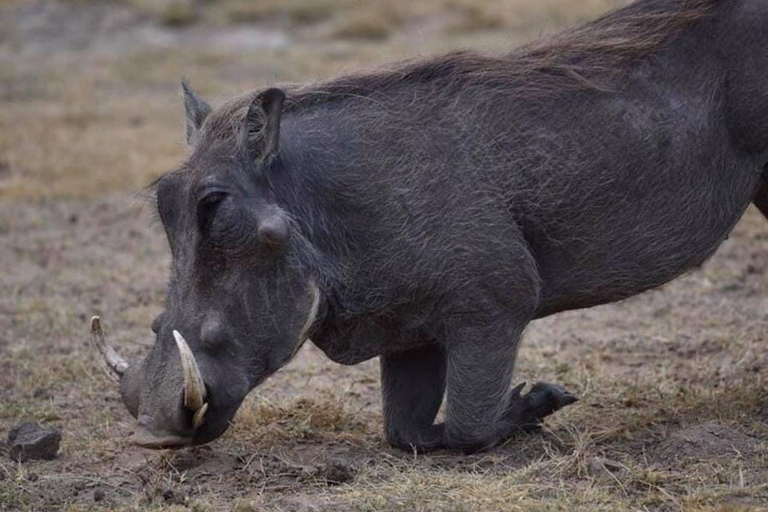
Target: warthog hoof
526,413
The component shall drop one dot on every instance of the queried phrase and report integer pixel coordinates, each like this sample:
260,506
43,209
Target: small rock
30,441
98,495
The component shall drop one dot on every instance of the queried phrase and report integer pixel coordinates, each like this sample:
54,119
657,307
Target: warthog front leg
412,389
479,331
481,410
412,385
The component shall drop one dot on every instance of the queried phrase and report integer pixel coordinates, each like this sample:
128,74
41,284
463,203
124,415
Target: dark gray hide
439,206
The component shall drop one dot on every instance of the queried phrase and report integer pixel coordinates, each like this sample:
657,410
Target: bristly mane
574,59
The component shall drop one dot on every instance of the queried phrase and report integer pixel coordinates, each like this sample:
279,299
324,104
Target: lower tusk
114,365
194,387
199,417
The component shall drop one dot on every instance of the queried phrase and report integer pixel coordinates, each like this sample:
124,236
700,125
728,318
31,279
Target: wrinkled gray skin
439,215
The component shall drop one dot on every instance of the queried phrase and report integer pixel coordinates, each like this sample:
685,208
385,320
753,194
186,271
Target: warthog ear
260,133
197,110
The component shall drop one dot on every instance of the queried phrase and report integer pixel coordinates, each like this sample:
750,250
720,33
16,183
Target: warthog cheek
314,293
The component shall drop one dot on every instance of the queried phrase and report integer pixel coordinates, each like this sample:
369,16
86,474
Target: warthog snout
172,423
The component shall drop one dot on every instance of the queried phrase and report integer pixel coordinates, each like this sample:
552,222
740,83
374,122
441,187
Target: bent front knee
422,440
472,438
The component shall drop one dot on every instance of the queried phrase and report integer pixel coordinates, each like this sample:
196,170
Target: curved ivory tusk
114,365
194,387
199,417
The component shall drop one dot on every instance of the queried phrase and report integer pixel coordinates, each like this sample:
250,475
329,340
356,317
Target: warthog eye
206,209
224,226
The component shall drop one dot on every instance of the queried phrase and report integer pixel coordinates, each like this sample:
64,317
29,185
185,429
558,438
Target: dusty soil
674,407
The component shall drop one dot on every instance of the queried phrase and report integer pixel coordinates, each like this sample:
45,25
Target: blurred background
672,413
90,88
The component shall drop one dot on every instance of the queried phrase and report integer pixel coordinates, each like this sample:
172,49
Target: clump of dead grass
323,418
414,487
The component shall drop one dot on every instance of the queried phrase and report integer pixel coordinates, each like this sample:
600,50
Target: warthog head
239,304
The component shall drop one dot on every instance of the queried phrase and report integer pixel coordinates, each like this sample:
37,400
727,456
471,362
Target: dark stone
30,441
98,495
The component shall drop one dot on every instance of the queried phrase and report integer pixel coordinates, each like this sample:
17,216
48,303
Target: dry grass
672,413
77,128
173,13
292,12
324,418
368,24
387,15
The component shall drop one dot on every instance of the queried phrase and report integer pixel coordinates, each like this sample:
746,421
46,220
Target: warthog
427,212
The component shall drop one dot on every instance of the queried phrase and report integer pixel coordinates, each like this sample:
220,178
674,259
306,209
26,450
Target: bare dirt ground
674,407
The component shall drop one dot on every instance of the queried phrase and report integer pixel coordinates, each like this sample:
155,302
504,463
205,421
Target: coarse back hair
575,59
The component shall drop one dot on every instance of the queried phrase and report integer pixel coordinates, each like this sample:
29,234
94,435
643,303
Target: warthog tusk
114,365
194,387
199,416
